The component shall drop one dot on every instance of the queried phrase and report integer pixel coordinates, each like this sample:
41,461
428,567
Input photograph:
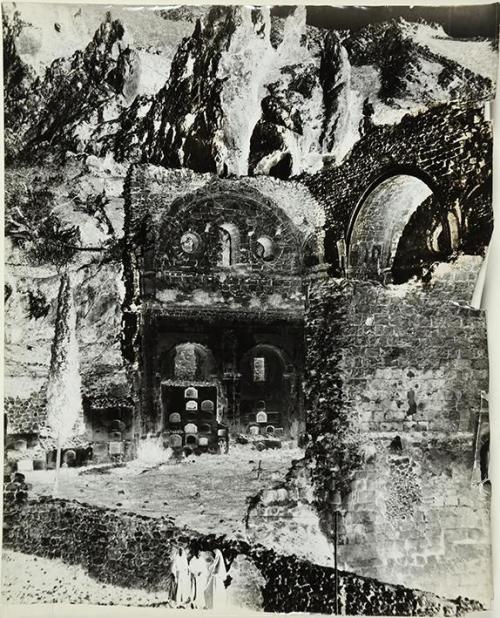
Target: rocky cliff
31,285
246,92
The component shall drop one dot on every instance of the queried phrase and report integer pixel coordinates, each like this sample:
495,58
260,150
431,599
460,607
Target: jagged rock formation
247,93
31,289
18,78
410,71
79,93
270,101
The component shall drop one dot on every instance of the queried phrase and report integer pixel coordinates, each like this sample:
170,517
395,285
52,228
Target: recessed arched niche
191,393
265,248
207,405
261,417
229,238
175,440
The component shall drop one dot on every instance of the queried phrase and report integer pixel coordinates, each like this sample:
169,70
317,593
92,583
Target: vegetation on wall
335,446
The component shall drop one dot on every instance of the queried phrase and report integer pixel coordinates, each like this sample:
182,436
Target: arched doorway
191,397
267,391
188,361
398,230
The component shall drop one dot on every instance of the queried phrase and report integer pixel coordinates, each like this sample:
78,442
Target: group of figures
199,582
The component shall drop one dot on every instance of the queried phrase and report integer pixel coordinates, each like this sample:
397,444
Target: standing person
199,573
182,578
366,122
216,589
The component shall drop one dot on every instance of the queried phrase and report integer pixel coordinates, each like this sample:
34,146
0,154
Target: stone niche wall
162,204
152,194
407,365
132,550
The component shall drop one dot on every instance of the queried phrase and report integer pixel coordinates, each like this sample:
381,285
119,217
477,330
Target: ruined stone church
330,308
334,306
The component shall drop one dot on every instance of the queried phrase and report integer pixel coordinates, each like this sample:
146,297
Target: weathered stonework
384,380
133,550
410,363
448,147
233,299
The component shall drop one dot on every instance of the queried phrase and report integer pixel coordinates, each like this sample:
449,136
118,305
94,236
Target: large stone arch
252,217
400,228
378,223
448,147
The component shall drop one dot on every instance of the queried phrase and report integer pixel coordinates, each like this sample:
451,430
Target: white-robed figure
182,576
199,573
217,575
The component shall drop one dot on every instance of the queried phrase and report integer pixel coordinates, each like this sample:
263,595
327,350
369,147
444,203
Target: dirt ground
206,493
30,579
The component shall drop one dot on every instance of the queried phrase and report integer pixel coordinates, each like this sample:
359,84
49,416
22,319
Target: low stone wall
133,550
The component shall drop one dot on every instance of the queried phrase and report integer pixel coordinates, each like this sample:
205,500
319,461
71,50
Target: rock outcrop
247,93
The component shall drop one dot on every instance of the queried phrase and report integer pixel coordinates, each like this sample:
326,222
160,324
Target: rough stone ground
30,579
206,493
52,581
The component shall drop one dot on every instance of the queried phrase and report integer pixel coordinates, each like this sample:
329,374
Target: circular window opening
270,429
191,243
264,249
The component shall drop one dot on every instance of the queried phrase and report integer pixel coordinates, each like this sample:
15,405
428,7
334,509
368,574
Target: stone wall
175,295
159,206
395,424
448,147
26,415
132,550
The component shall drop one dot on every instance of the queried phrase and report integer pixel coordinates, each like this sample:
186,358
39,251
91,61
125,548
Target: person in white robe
216,594
182,577
199,571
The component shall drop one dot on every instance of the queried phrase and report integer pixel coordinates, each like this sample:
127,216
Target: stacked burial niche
218,273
